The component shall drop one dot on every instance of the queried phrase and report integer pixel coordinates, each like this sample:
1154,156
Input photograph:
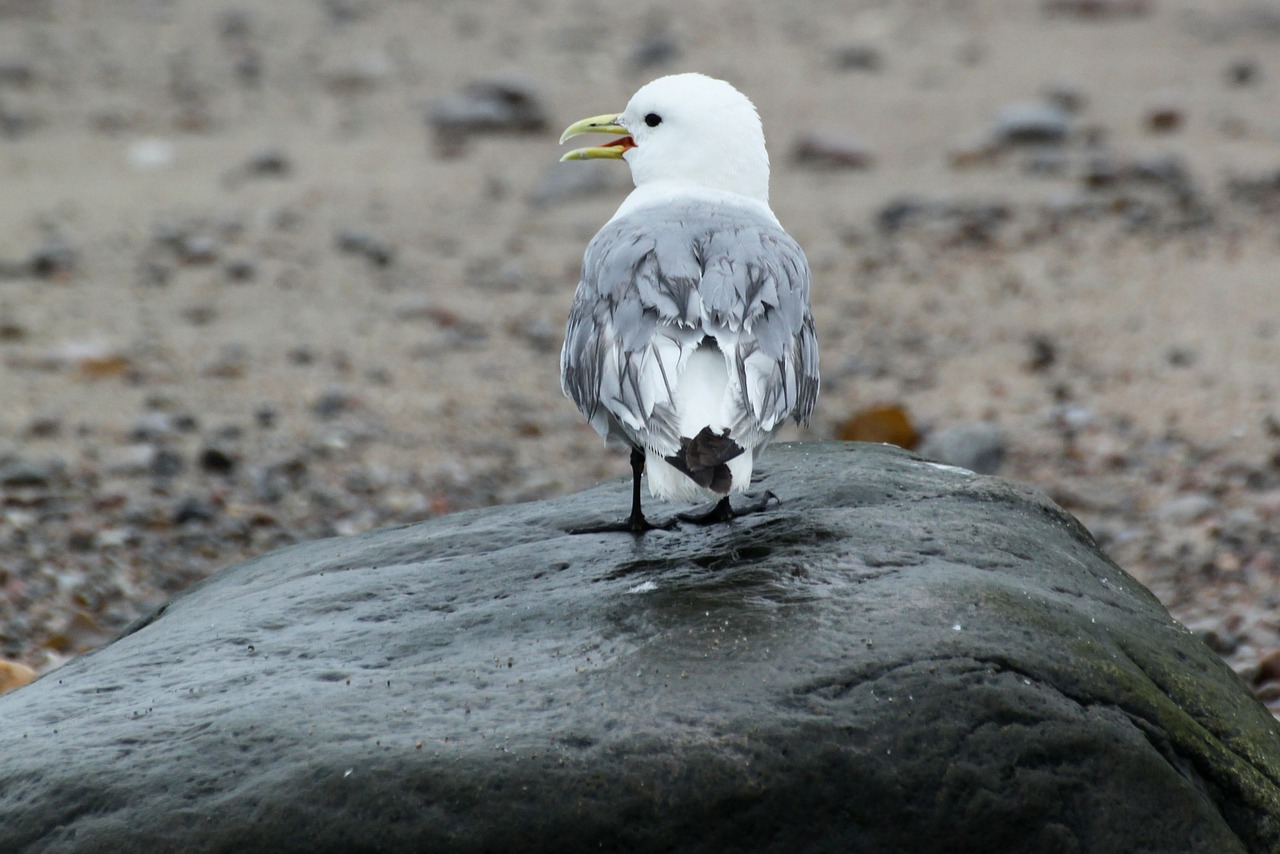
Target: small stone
17,471
199,315
148,155
889,424
1242,72
54,260
129,461
269,163
192,509
1066,96
16,74
1268,668
1186,509
1097,8
11,330
151,426
232,362
14,674
167,463
831,151
978,149
1032,123
980,448
508,104
198,249
44,427
241,270
898,213
857,57
1165,118
332,403
217,461
266,416
356,242
1043,353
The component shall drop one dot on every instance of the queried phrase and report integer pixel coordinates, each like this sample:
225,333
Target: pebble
16,74
217,461
508,104
241,270
192,509
1097,8
14,674
824,150
148,155
980,448
167,463
332,403
1043,353
1242,72
54,260
198,249
857,57
1164,118
21,472
231,363
1031,123
129,460
1066,96
975,149
890,424
356,242
1186,508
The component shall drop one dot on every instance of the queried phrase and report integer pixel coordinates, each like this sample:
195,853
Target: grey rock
1032,123
979,448
899,657
1186,508
507,104
354,241
823,150
52,260
19,472
858,57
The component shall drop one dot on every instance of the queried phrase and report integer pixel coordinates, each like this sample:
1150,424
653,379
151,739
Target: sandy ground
247,297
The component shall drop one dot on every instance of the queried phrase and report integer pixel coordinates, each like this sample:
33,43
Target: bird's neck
664,192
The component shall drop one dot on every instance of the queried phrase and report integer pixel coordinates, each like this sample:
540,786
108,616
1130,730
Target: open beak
598,124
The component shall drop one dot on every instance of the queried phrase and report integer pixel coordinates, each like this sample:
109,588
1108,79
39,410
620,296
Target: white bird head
685,130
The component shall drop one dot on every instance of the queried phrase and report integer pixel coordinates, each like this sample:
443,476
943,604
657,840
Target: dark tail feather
703,459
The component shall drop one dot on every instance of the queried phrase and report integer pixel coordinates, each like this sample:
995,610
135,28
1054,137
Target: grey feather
656,283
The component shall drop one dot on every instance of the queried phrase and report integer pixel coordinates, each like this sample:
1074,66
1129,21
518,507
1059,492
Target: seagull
690,339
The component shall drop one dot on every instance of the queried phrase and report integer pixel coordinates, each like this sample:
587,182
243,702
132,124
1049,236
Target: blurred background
271,272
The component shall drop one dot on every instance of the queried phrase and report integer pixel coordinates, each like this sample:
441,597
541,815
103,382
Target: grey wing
654,287
755,295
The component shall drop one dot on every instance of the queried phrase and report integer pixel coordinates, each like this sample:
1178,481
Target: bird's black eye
653,120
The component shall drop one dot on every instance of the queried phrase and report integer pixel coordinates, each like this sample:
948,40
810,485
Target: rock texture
903,656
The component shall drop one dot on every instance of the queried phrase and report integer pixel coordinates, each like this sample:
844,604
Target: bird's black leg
636,523
723,512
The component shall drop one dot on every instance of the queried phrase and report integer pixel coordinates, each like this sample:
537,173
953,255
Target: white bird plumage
690,338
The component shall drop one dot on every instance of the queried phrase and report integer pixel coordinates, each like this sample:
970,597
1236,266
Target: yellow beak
597,124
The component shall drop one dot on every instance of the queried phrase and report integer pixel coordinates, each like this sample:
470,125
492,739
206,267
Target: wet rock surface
900,656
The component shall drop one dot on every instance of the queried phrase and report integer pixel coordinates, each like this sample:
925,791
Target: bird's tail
704,459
